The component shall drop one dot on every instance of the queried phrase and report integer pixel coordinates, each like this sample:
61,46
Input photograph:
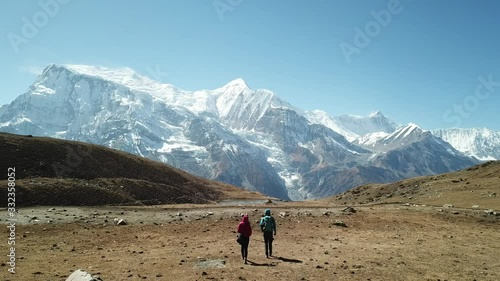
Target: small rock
349,210
447,206
339,223
121,222
489,212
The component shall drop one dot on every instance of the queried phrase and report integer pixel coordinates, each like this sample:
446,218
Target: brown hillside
59,172
477,186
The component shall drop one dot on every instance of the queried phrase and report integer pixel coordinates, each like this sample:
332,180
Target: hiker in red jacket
245,230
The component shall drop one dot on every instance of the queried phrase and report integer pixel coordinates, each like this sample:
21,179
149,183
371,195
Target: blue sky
421,61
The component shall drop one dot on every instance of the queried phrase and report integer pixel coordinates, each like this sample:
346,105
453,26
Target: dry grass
478,185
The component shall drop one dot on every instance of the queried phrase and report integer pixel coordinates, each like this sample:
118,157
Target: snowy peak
241,108
481,143
125,75
376,114
122,77
234,87
353,126
401,137
323,118
404,132
238,82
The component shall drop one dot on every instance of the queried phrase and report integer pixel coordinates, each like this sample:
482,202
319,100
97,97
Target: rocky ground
315,241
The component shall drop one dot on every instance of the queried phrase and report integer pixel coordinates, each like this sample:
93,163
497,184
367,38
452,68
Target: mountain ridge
250,138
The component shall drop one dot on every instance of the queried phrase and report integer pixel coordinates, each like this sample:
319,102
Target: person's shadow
259,264
289,260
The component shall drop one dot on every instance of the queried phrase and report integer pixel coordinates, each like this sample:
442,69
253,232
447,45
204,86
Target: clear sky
416,61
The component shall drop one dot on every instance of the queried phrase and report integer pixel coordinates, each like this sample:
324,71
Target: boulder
80,275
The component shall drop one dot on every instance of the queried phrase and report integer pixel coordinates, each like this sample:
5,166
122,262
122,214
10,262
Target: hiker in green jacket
268,227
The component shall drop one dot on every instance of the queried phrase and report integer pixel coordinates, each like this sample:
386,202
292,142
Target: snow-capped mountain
353,126
249,138
481,143
412,151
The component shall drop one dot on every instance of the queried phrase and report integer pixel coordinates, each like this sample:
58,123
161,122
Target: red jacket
244,227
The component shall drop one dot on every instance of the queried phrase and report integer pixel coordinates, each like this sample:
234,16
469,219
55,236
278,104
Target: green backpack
267,224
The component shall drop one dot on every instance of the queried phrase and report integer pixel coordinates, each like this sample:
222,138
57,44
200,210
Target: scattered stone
179,214
35,219
269,201
489,212
455,181
339,223
455,212
327,213
475,206
121,222
406,204
283,214
447,206
210,263
349,210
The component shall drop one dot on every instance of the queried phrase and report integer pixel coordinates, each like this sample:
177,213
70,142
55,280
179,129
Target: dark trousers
268,241
244,246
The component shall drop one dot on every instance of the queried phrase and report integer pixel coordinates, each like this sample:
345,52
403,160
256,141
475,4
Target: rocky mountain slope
58,172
